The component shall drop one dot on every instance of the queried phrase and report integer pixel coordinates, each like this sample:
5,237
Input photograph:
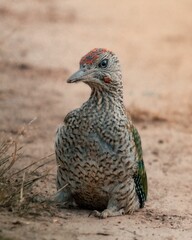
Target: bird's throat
104,100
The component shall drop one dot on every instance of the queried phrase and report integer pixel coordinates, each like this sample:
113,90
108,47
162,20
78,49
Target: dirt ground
41,43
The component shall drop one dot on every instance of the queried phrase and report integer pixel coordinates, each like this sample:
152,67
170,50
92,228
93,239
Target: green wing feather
140,176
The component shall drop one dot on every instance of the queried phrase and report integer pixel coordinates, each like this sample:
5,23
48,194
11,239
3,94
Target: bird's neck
106,100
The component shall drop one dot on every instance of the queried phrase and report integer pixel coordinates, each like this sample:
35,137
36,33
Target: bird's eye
103,63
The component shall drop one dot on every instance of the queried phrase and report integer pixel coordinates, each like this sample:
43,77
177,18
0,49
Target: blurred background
152,39
41,44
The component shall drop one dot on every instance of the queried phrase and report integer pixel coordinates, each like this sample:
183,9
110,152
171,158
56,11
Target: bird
98,150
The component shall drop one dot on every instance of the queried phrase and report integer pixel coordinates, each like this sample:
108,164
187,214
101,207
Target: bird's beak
80,75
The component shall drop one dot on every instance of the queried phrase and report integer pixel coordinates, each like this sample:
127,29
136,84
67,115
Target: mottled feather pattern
98,150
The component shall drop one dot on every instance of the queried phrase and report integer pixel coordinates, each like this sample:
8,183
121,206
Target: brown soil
40,46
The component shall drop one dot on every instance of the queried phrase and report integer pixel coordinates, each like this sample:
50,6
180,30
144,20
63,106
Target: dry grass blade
34,163
7,160
22,186
62,188
16,185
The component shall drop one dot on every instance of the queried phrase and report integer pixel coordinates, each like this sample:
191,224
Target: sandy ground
41,42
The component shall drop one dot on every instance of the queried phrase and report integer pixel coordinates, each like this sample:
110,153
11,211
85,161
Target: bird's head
99,68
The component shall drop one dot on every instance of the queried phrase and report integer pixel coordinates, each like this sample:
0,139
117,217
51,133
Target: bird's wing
140,177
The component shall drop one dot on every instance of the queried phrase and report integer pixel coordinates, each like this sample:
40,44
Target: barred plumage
98,150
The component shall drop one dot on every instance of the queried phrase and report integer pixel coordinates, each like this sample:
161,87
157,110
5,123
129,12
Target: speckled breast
93,157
